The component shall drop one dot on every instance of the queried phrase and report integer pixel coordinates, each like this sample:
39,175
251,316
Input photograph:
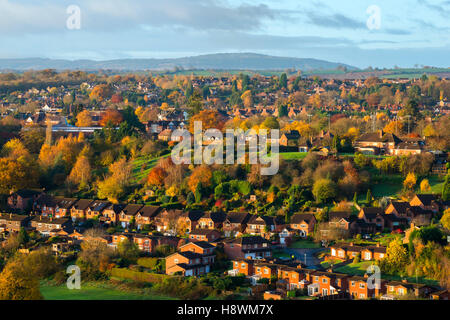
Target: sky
362,33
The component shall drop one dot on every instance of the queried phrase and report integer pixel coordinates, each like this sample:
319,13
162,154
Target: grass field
293,155
93,292
360,269
304,244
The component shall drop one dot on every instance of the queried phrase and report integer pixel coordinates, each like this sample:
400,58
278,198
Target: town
87,179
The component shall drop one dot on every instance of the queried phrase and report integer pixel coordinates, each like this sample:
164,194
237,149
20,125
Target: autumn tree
210,119
17,284
247,99
111,116
156,176
17,174
114,186
200,175
410,181
84,119
81,173
100,92
445,220
425,185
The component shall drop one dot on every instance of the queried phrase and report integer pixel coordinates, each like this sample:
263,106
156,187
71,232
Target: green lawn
293,155
92,292
304,244
360,269
280,254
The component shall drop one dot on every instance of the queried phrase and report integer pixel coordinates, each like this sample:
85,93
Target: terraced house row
320,283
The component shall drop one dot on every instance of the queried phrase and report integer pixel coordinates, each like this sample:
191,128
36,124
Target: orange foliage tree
201,174
111,115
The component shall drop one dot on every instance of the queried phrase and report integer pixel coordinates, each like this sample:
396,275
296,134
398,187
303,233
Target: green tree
369,197
23,236
283,81
324,190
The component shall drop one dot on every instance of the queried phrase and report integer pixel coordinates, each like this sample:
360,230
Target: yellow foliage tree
84,119
425,185
410,181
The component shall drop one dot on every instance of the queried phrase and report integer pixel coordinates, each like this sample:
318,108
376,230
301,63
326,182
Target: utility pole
409,117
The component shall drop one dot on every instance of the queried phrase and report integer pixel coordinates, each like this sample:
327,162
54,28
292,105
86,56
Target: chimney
351,243
10,215
381,133
366,275
40,217
378,244
404,280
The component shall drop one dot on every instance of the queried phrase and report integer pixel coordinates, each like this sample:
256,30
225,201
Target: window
175,260
367,256
266,271
324,280
333,252
362,285
352,283
242,265
362,295
236,263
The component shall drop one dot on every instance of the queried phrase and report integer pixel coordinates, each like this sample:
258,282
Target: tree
84,119
81,172
410,181
114,186
17,174
210,119
425,186
445,220
270,123
100,92
18,284
201,174
111,116
324,190
156,176
446,188
23,236
247,99
283,81
369,197
396,257
128,251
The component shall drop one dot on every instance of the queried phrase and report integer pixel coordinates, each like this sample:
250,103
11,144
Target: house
359,226
204,235
350,251
303,223
45,204
79,208
165,135
252,247
289,138
49,226
64,206
293,276
340,219
377,143
193,259
235,223
148,243
394,289
358,288
373,215
128,213
96,208
167,219
273,295
188,220
440,295
260,225
212,220
326,283
243,266
117,238
399,208
22,200
146,215
111,213
426,202
266,270
13,222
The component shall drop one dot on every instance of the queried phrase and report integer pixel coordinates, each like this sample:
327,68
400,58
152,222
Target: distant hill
219,61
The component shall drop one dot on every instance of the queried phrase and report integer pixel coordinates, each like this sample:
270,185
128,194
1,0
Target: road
306,256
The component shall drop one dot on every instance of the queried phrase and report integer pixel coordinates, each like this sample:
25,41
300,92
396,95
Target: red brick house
79,209
204,235
235,223
303,223
253,247
212,220
13,222
193,259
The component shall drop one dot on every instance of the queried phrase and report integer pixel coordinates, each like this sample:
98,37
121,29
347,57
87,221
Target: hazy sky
409,32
